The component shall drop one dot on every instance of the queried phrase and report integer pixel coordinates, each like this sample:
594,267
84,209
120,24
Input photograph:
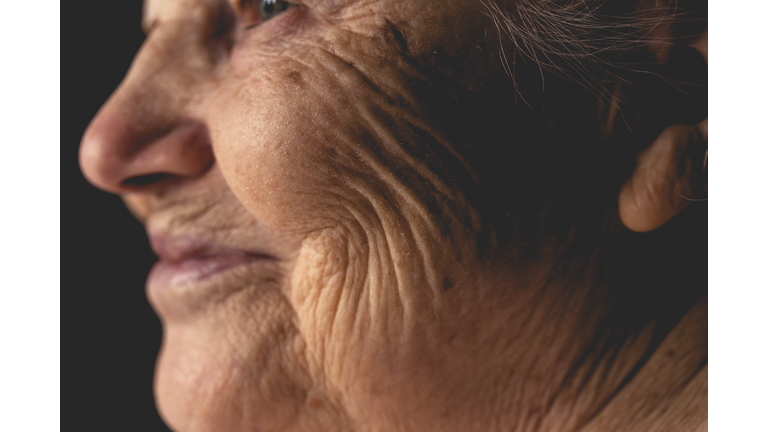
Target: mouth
198,268
190,269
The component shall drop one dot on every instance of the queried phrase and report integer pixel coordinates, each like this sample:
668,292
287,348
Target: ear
669,174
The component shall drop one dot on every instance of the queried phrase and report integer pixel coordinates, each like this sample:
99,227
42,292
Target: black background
111,335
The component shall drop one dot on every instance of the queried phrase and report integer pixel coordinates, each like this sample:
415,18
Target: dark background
111,335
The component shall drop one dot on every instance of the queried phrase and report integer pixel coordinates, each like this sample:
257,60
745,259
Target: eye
254,12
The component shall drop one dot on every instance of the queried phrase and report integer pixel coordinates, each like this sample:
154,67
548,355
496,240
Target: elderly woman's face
298,179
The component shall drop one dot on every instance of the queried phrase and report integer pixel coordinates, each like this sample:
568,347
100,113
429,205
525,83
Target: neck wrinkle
650,301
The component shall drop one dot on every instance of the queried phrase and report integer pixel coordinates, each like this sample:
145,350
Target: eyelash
251,10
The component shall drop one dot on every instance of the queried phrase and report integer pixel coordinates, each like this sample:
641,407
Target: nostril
124,154
144,180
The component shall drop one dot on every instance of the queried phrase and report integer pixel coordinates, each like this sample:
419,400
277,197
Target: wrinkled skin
321,138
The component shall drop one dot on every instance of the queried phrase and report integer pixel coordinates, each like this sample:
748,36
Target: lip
196,268
186,260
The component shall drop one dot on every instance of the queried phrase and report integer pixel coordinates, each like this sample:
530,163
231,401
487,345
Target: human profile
417,215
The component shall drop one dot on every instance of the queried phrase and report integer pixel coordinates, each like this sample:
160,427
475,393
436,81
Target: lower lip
196,269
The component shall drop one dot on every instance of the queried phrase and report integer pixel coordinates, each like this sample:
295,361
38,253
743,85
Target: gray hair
591,41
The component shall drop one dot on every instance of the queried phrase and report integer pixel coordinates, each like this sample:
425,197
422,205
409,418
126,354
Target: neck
622,344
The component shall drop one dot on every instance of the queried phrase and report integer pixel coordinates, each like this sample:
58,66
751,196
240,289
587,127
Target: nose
149,130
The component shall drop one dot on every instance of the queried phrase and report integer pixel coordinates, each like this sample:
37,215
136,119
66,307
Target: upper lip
179,248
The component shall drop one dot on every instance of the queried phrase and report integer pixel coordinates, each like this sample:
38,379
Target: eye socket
255,12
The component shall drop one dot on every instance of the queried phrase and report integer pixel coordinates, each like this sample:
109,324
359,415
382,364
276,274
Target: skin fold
373,149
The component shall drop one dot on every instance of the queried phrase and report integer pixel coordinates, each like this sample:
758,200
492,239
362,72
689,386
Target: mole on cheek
295,78
447,284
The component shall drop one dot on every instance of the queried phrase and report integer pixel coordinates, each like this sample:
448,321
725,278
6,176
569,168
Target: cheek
283,145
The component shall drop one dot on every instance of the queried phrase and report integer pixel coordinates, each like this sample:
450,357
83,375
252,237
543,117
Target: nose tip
121,153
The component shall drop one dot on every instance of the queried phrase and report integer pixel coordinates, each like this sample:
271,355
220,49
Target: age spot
447,284
295,77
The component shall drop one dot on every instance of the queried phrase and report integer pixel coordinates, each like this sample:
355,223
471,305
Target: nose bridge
151,127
